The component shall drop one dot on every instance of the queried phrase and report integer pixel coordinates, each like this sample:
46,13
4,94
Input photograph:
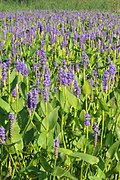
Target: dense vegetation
59,95
102,5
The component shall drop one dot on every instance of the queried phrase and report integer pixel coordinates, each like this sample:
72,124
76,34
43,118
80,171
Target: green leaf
87,89
103,105
12,75
86,157
117,130
111,151
45,164
4,105
46,107
23,89
52,118
21,104
117,168
61,98
73,101
94,178
16,136
60,172
42,140
66,151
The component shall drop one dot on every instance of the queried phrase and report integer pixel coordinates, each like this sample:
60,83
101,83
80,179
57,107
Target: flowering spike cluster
46,84
95,129
105,80
40,27
11,117
14,92
77,67
109,75
95,74
4,73
84,59
55,63
56,145
91,82
87,119
112,71
22,68
64,77
32,100
76,90
2,135
70,76
43,57
8,62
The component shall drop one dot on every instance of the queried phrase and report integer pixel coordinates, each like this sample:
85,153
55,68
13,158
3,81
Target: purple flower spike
2,135
87,119
32,100
95,129
84,59
21,68
112,69
4,73
11,117
56,145
76,90
105,80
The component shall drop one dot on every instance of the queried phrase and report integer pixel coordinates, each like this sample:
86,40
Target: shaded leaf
4,105
111,151
86,157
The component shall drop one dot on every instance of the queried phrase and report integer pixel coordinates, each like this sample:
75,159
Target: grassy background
106,5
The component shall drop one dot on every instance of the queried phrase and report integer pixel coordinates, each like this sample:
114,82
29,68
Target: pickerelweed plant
59,97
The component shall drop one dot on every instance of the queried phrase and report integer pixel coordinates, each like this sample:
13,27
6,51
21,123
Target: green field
106,5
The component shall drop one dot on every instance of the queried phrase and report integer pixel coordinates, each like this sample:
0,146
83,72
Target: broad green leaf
23,89
52,118
103,105
87,89
12,75
100,173
94,178
42,140
4,105
61,98
45,164
86,157
66,151
73,101
20,105
16,136
111,151
117,130
46,107
60,172
117,168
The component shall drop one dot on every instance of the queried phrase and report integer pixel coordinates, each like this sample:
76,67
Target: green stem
27,81
9,85
62,131
84,74
102,128
46,124
87,112
17,97
55,167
